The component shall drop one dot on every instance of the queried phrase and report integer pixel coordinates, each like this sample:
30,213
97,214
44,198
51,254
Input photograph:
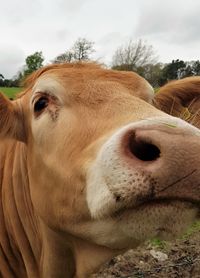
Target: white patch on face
112,182
47,84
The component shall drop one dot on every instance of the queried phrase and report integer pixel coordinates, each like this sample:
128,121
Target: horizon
171,28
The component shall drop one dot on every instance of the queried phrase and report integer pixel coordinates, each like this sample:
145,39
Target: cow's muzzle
167,160
151,160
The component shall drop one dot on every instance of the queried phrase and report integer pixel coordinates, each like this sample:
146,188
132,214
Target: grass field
11,91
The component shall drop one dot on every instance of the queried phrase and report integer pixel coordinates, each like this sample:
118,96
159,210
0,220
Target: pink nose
167,157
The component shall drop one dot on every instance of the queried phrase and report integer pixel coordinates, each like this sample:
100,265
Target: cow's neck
19,235
66,256
28,248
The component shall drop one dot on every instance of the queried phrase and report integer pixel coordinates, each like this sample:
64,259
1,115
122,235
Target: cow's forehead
48,84
87,85
67,88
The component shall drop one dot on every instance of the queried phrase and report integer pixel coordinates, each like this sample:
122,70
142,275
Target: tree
174,70
196,67
7,83
66,57
80,51
18,78
192,68
33,62
152,73
188,71
1,80
133,55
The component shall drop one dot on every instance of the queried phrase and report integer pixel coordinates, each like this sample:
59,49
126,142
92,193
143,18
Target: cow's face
105,165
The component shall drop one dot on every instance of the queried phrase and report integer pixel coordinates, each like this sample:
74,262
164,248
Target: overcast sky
171,26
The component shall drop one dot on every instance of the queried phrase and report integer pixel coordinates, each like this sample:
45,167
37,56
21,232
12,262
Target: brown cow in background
181,98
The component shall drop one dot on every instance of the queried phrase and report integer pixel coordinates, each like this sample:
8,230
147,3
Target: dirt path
181,259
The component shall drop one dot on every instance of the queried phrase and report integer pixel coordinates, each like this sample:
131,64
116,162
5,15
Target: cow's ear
11,119
181,98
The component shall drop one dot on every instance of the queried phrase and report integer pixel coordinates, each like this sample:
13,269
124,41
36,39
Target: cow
89,168
181,98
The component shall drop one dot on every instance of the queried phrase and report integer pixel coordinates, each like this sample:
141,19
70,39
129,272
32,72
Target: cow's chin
129,228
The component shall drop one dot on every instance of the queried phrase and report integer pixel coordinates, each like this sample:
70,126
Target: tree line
137,56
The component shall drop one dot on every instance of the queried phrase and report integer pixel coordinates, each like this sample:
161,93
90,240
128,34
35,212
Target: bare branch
134,55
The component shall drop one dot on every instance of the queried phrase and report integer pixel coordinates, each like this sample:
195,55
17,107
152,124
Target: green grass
192,229
161,244
10,91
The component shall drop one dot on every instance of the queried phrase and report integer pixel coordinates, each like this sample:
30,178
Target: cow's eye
41,104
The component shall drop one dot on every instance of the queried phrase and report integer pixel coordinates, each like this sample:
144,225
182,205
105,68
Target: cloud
15,12
11,59
72,6
52,27
173,21
107,45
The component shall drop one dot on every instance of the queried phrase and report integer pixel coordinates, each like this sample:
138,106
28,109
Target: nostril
142,149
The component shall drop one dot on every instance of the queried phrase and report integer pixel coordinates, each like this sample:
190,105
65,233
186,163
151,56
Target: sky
172,27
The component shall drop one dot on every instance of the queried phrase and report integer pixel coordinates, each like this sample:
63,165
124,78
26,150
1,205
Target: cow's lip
158,202
171,200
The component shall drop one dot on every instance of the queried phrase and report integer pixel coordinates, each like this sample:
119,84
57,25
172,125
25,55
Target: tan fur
91,71
181,98
11,119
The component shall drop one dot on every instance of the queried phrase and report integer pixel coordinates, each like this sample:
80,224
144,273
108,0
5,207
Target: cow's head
104,165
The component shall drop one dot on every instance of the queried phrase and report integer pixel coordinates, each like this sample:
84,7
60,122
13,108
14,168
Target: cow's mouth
159,203
171,201
164,219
